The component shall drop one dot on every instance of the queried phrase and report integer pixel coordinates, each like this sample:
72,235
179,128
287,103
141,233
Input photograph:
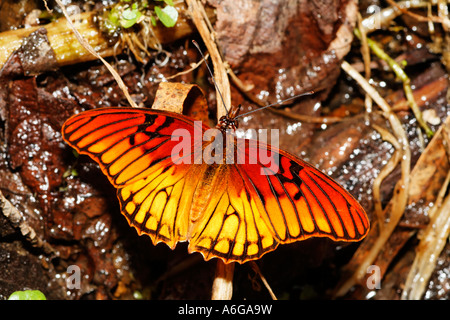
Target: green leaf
168,16
153,20
27,295
168,2
137,295
129,17
129,14
111,27
114,17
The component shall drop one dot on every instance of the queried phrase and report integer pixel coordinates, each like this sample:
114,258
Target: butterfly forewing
129,144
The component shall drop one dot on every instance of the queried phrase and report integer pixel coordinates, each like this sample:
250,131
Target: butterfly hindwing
159,204
299,201
257,206
232,227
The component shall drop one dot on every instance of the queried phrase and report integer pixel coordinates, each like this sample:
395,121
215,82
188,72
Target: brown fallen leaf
285,47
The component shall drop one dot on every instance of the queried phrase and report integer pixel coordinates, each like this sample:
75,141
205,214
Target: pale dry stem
385,171
433,238
201,21
192,68
365,53
379,236
385,16
263,279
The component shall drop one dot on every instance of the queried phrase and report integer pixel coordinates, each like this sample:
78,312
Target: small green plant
168,15
127,13
27,295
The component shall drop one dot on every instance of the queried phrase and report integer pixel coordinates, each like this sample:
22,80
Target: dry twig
263,279
418,17
384,17
434,238
365,53
385,171
378,236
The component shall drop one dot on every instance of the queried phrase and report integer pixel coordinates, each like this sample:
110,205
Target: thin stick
443,14
263,279
434,239
244,87
91,50
418,17
212,76
384,17
365,53
192,68
198,14
385,171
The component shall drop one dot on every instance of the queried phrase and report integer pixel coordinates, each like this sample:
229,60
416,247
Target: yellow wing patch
155,205
231,227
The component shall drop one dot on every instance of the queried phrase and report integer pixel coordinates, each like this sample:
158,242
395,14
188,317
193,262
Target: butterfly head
226,122
229,121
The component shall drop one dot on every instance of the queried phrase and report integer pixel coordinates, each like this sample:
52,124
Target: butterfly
233,210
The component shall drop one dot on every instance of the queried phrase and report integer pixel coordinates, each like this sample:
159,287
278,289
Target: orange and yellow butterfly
226,210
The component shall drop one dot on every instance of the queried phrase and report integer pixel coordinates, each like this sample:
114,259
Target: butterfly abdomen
208,182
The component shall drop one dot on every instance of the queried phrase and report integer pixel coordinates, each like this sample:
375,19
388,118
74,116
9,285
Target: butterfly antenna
276,103
211,73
